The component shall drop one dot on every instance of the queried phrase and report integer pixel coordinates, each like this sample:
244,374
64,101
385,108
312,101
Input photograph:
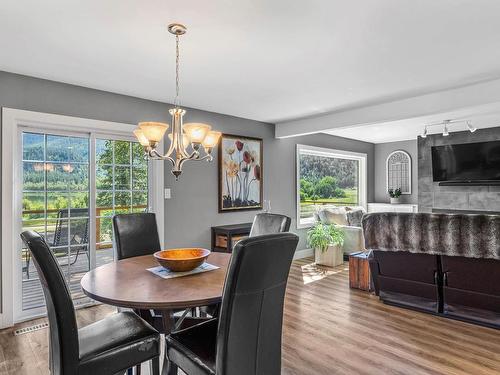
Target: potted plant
327,241
395,195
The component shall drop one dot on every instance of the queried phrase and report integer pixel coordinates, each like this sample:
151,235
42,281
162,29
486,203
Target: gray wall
193,207
382,151
431,195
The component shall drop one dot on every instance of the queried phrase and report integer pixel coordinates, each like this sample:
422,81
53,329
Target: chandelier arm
208,157
156,155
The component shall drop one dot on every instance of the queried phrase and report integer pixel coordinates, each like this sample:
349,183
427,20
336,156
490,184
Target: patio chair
79,234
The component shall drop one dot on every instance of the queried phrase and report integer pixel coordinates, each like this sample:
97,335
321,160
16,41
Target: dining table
128,283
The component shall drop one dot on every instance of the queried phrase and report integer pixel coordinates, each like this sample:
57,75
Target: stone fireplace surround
435,198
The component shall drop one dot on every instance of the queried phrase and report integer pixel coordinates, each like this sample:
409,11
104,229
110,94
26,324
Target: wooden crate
359,271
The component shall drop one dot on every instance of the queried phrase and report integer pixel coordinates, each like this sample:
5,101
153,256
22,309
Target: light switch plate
168,194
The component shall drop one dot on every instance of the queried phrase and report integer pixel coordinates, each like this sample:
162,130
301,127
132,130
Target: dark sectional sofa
442,264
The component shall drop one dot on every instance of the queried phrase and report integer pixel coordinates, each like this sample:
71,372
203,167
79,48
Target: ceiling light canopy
186,140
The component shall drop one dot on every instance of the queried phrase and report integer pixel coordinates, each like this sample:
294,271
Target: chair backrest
63,328
79,227
266,223
135,234
251,316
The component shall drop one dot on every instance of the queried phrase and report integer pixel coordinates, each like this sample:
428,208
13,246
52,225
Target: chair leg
138,370
155,364
171,368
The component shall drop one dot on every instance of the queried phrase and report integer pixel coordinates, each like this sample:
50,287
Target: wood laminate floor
328,329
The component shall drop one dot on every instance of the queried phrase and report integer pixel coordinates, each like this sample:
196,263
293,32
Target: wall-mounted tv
467,163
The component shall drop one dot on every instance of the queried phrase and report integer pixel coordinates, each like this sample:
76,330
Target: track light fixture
446,127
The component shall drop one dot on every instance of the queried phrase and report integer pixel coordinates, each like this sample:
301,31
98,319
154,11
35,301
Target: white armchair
353,235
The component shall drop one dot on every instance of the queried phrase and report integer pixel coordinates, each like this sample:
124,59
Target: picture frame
240,164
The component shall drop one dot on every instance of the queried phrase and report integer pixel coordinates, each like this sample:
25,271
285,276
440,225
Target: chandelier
187,141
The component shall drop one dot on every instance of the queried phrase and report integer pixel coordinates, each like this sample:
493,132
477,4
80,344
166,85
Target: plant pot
396,200
332,257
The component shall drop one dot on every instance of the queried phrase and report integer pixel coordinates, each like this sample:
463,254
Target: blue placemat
165,273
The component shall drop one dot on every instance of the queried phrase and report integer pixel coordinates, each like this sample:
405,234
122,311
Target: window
121,184
57,193
399,171
328,177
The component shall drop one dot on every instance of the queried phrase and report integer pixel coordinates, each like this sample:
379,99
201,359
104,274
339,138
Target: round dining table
128,283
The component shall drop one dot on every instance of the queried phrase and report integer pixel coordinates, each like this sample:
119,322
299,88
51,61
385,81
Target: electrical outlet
168,194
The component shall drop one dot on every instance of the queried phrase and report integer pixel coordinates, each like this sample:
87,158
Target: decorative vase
396,200
332,257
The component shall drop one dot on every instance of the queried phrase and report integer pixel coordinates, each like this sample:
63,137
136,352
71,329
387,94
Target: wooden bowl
181,260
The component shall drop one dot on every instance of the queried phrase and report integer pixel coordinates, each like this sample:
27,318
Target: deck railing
99,210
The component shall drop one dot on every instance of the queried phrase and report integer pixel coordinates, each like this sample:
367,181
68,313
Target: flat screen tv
467,163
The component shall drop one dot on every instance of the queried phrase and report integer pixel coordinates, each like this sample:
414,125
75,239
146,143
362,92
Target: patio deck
32,289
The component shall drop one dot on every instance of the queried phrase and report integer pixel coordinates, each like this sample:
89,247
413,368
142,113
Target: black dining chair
135,235
246,338
109,346
267,223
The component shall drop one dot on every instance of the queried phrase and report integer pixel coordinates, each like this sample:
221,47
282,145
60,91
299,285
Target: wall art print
240,173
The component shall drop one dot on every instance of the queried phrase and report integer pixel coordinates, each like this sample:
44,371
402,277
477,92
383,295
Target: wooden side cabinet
225,236
359,271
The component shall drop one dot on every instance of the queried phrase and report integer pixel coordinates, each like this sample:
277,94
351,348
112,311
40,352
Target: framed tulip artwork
240,173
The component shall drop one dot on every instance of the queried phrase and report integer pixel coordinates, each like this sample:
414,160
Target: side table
359,271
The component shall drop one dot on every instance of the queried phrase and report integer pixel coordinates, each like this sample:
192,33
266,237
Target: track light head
471,128
445,130
424,134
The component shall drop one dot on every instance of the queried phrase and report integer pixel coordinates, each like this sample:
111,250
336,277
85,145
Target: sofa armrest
353,239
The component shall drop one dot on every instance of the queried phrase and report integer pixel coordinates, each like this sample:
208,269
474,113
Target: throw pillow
354,217
333,216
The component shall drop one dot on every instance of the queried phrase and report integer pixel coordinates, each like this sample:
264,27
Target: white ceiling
259,59
411,128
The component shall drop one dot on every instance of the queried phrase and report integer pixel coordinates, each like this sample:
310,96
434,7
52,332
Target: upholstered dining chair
135,234
246,338
109,346
267,223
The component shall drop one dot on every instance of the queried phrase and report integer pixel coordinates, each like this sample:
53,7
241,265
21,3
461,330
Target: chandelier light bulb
185,139
139,134
197,131
153,131
211,140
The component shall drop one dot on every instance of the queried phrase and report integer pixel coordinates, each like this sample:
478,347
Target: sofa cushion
333,215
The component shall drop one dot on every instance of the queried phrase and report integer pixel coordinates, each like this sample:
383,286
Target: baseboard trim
299,254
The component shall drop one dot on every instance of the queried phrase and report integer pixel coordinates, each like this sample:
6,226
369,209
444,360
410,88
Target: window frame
332,153
15,121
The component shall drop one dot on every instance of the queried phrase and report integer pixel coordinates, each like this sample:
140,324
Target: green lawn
351,198
308,207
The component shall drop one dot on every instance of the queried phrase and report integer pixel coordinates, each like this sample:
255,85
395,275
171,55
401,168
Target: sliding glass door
72,185
121,186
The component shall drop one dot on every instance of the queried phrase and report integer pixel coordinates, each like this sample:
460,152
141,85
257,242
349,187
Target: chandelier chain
177,58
